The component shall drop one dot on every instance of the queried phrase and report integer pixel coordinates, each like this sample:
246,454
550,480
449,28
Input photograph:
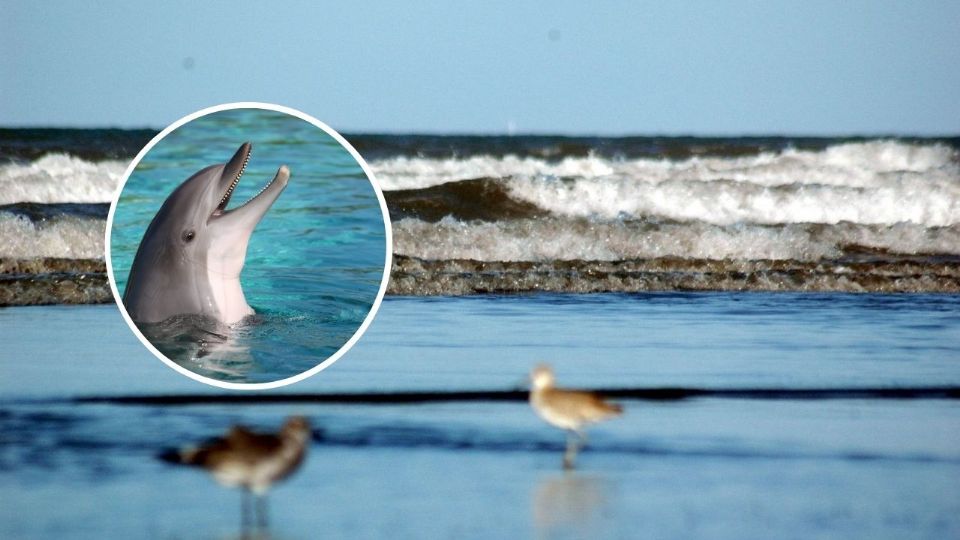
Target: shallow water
314,264
719,468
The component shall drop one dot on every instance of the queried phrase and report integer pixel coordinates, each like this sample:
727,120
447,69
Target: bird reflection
569,503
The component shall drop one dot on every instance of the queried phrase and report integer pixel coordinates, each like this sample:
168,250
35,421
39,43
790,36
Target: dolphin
191,255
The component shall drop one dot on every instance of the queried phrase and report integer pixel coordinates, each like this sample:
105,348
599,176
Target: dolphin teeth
264,188
233,185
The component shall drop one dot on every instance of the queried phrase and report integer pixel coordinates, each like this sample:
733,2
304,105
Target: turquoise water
693,468
314,264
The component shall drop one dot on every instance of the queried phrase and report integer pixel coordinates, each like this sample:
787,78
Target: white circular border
387,259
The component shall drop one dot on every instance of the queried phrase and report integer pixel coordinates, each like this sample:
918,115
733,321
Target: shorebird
567,409
250,461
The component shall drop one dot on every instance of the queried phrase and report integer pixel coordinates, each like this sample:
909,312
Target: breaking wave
55,230
479,214
864,216
581,239
60,178
865,164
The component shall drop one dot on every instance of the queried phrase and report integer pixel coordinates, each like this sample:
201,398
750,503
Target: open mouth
221,208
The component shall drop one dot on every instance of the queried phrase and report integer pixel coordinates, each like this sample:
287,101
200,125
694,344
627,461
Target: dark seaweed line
637,449
644,394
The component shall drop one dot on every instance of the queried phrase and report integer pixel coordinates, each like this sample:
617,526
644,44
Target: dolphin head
196,222
191,255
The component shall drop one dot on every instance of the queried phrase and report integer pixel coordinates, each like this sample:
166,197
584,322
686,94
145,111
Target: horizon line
571,135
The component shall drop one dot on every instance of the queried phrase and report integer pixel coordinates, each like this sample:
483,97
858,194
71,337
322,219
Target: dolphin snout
283,174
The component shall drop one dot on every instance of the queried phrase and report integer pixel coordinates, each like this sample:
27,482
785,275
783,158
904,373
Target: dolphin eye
188,236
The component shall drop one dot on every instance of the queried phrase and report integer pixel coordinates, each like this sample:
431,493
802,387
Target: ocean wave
479,199
877,182
908,199
60,178
863,164
904,197
64,236
582,239
881,215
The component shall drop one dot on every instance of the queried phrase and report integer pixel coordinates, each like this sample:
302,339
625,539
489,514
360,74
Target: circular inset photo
249,246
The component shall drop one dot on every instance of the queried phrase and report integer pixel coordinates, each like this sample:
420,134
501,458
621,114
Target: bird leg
582,435
245,509
262,511
571,452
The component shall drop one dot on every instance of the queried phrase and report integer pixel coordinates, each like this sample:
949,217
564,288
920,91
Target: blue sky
854,67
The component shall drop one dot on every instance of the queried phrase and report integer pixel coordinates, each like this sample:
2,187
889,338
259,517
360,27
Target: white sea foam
67,236
564,239
903,197
60,178
850,164
878,182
